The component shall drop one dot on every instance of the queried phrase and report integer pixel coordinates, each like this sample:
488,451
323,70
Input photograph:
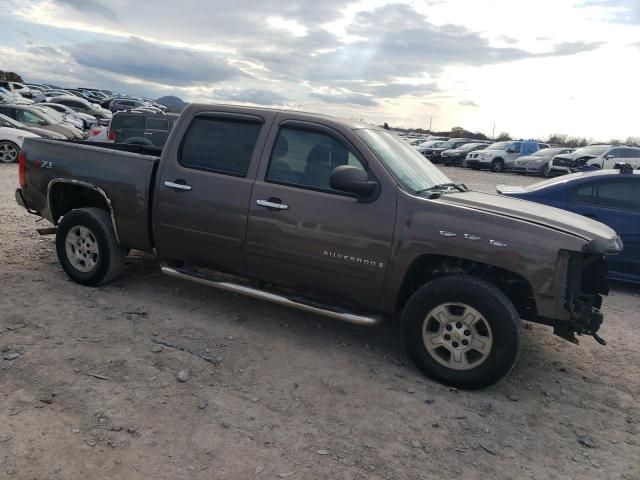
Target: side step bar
272,297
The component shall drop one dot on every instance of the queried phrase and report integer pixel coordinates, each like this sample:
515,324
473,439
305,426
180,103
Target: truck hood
536,213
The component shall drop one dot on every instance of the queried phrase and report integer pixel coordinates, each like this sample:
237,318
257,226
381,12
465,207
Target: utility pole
430,121
493,134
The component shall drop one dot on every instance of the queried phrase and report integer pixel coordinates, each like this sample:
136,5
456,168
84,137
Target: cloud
92,7
618,11
346,98
468,103
252,95
146,61
571,48
391,90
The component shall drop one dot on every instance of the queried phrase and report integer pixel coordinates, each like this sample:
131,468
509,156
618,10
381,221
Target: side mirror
347,178
608,157
42,122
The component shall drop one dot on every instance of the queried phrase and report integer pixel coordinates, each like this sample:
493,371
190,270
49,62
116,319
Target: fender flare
90,186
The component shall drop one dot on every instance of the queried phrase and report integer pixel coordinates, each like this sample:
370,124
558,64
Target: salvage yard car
608,196
333,217
538,163
502,155
10,143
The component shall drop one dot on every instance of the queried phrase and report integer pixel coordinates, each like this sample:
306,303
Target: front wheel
87,247
497,165
461,331
8,152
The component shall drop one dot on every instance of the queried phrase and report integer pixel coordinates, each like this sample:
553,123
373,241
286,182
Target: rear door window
129,122
157,124
622,194
219,145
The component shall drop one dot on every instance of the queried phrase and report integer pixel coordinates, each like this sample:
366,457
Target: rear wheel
461,331
8,152
497,165
87,247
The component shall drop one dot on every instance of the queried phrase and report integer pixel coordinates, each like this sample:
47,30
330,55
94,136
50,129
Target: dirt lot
291,395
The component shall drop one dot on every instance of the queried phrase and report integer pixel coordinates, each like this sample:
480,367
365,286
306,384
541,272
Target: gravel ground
92,394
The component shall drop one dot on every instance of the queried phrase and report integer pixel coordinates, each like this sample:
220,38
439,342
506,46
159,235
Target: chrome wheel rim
82,249
8,152
457,336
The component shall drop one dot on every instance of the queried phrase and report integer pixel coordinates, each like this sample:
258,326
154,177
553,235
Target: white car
87,120
17,87
599,156
81,105
11,142
14,98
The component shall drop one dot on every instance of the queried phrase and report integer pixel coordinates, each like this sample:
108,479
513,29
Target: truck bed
124,177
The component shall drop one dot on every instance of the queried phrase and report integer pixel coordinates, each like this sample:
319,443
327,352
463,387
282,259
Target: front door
204,187
303,234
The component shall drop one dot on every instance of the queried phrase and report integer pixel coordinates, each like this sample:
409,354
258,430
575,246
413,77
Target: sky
532,68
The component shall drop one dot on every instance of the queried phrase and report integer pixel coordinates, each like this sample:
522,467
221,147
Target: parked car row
89,114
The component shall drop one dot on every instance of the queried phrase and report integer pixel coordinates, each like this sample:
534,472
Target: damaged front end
586,284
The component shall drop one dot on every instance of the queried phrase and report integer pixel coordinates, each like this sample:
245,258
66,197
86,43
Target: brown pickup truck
333,217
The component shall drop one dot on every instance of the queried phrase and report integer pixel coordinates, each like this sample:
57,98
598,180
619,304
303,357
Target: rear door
204,187
304,235
616,203
129,127
157,130
630,156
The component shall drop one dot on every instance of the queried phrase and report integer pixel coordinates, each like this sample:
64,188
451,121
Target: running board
272,297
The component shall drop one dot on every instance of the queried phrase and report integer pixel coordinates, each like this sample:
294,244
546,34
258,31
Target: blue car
608,196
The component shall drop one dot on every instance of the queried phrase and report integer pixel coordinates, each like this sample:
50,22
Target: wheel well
64,197
496,159
427,267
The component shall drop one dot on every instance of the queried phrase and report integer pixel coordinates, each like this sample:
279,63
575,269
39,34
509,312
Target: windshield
410,169
499,146
594,150
46,114
548,152
10,121
467,147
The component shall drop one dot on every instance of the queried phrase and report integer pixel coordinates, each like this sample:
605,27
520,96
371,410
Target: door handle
177,186
273,203
148,133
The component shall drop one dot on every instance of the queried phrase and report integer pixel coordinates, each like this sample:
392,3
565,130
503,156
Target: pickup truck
330,216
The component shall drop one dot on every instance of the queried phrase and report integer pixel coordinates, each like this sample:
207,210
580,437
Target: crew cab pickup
333,217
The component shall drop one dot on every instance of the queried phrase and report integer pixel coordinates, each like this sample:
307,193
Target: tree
504,136
10,77
557,139
635,141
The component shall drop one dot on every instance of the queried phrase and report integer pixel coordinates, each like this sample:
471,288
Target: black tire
497,165
109,257
546,171
494,308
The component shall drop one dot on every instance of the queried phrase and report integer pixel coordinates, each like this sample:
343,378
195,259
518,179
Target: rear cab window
219,145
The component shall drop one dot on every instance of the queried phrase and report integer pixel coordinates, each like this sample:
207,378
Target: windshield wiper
442,188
